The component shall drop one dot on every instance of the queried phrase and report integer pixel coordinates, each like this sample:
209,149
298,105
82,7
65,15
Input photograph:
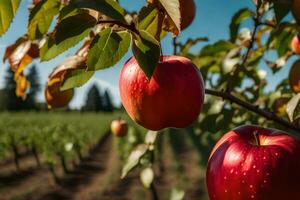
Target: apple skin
173,97
239,169
296,10
119,128
295,45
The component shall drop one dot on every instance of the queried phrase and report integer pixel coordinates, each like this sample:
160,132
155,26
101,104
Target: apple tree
233,69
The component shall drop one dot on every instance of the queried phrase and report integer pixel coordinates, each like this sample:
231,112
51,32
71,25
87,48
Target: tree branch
130,27
266,114
236,71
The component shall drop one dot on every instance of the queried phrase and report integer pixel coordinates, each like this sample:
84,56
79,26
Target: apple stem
256,136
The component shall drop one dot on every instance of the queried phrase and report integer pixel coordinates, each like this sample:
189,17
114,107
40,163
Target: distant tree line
8,99
95,100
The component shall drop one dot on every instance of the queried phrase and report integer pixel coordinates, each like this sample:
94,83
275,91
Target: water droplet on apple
244,173
226,191
231,171
252,196
254,166
225,177
265,181
251,186
258,171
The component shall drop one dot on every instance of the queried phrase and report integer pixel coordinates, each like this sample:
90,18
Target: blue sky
212,21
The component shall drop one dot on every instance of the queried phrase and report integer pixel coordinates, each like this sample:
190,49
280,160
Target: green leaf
147,177
8,10
110,8
283,41
134,158
146,50
221,46
41,18
70,32
68,11
293,108
107,49
185,48
280,12
149,20
76,78
237,19
74,26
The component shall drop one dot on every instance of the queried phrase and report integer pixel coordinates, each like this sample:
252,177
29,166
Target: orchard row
52,138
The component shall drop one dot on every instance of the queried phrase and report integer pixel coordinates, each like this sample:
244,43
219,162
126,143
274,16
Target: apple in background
119,127
296,10
294,77
252,162
295,45
187,12
173,97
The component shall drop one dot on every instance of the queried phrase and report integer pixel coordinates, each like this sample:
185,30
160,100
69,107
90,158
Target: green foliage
107,48
108,7
76,78
70,31
52,134
150,20
147,52
8,9
237,19
41,18
73,27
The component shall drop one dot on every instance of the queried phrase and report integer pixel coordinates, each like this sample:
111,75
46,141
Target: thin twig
268,115
267,24
236,71
175,46
130,27
154,192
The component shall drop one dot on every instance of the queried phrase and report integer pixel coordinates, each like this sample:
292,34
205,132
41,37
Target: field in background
74,156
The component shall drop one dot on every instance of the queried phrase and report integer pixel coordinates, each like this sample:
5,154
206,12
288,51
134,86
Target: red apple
295,45
119,127
251,162
173,97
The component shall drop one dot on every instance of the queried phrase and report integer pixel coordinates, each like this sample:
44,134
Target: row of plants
52,138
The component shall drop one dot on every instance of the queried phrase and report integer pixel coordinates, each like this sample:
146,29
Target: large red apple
251,162
173,97
119,127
